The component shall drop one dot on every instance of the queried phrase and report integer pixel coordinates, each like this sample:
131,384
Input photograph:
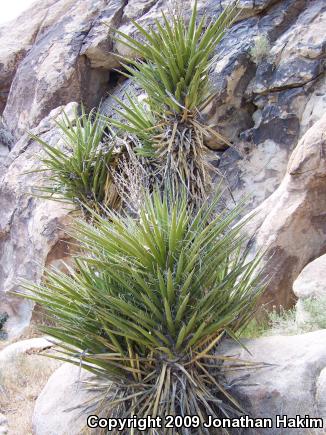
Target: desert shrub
174,59
316,309
256,328
149,303
260,49
79,172
279,321
284,322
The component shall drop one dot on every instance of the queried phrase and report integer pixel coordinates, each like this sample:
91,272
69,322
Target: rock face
293,383
62,51
57,62
31,229
264,105
6,141
290,224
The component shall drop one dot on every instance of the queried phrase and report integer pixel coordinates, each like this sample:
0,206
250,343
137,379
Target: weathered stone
288,385
31,345
250,7
290,224
298,54
98,45
321,393
17,38
311,280
30,228
264,128
59,408
6,142
3,425
315,106
4,151
55,70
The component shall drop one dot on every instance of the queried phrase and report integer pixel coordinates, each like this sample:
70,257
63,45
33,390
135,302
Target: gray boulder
293,384
60,408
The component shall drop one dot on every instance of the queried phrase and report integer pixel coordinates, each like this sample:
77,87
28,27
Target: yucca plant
148,305
137,121
80,170
174,59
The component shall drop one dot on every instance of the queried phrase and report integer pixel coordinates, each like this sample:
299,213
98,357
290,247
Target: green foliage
285,322
174,59
149,303
177,58
137,120
255,328
79,171
151,298
316,310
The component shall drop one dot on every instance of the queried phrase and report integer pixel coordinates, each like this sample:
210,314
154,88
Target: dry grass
132,177
22,378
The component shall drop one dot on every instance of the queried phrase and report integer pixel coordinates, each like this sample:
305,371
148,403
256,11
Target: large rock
31,229
293,384
290,225
311,282
4,151
31,345
60,408
6,141
17,38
